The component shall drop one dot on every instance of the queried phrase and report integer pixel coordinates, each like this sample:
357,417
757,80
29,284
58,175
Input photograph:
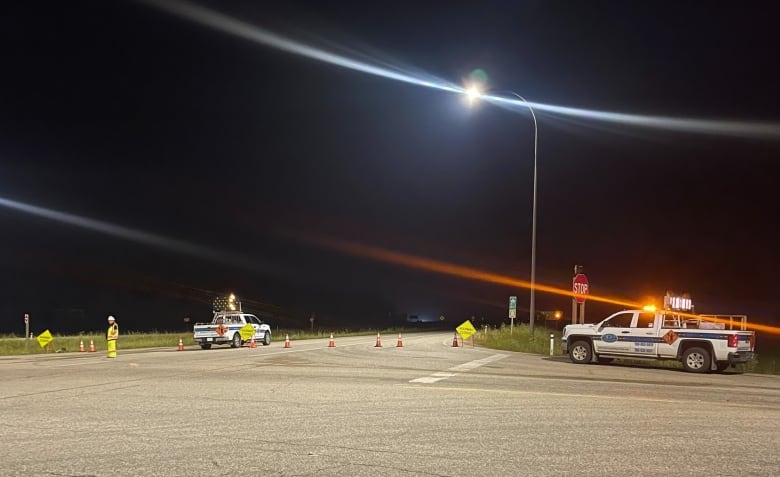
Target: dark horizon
237,159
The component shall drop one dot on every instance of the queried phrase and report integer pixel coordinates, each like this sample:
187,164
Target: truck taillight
752,341
733,341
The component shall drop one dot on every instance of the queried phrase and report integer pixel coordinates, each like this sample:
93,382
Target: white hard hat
110,318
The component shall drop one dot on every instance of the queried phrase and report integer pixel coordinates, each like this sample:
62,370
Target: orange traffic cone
378,341
455,341
400,343
81,346
91,346
181,345
287,341
332,342
252,343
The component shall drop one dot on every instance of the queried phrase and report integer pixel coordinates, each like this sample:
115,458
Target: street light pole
474,93
532,305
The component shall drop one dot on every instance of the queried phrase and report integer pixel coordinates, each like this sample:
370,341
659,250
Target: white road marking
459,368
433,378
426,380
477,363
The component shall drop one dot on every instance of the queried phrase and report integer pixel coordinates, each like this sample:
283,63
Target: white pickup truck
226,328
699,342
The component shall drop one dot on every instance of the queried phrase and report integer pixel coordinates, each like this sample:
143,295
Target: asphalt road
357,410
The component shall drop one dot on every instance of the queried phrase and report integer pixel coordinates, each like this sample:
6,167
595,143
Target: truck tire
236,342
266,338
580,352
205,346
721,366
696,360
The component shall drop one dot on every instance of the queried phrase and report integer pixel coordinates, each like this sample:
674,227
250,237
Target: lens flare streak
241,29
446,268
127,233
701,126
236,27
354,249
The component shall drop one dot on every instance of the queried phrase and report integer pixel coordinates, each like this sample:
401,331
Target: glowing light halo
233,26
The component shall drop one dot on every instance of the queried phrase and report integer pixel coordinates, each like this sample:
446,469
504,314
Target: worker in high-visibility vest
112,334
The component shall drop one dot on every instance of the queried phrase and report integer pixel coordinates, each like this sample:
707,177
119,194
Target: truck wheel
721,366
580,352
266,339
205,346
696,360
236,343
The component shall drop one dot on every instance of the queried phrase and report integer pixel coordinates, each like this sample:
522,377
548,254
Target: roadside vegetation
517,339
11,345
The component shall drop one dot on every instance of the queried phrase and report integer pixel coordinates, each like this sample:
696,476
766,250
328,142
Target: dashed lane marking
459,368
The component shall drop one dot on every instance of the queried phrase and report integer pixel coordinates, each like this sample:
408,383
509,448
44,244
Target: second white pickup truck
226,328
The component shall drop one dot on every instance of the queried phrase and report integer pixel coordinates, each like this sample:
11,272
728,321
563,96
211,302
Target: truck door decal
670,337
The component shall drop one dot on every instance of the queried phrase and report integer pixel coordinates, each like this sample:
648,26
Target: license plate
209,339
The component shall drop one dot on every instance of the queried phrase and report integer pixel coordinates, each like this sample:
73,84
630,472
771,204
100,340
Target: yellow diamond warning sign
247,332
465,329
44,338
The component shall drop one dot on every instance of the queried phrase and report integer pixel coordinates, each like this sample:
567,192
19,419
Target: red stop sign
580,287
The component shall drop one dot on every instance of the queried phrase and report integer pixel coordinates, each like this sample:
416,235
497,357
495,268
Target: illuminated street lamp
473,94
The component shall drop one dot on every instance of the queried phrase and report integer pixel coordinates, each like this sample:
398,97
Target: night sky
244,158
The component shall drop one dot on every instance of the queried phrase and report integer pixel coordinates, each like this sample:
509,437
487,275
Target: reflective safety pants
112,348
